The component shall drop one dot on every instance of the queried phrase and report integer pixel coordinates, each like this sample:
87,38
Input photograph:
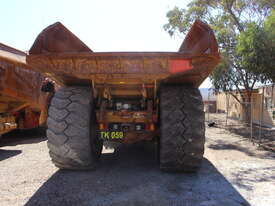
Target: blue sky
104,25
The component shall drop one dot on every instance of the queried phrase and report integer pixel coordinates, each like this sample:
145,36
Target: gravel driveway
233,173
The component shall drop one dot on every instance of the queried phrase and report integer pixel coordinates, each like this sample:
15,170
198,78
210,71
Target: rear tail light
140,127
127,127
102,126
150,127
115,126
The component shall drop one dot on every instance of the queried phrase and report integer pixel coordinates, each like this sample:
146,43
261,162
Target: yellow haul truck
125,97
22,105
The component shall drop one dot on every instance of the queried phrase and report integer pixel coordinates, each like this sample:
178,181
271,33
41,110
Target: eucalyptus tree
232,22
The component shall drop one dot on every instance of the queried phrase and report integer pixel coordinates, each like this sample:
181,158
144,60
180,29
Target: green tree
256,46
228,19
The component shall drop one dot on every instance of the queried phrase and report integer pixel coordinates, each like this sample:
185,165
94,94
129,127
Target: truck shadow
130,176
226,145
18,137
5,154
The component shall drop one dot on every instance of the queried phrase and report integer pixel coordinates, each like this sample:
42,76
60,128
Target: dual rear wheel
73,143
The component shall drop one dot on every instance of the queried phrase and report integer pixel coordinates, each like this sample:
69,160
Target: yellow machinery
21,102
125,97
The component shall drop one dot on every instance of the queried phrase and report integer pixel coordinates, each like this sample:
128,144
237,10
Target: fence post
208,105
251,122
261,120
227,102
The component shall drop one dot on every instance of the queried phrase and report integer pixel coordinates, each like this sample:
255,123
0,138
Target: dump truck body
21,101
58,53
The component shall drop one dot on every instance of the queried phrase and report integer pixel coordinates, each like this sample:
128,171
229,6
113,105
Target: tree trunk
246,106
246,112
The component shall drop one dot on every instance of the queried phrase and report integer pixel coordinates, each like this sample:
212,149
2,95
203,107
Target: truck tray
61,55
18,84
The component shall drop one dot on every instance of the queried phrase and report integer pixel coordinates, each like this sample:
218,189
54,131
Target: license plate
111,135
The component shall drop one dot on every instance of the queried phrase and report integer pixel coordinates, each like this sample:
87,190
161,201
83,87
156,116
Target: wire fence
260,129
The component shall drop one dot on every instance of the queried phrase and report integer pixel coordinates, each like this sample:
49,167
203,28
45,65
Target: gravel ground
233,173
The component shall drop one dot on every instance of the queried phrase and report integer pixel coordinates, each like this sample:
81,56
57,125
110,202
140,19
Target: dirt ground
262,136
234,173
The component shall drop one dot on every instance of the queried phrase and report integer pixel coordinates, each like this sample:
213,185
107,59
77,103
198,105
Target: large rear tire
182,128
71,131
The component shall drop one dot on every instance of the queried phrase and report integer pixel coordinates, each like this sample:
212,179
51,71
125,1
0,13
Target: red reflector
179,65
102,126
150,127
